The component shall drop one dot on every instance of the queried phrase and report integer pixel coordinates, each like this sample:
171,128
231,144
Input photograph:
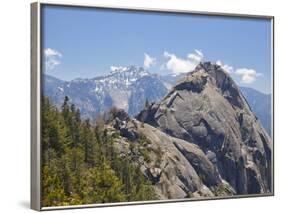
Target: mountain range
125,87
129,88
199,138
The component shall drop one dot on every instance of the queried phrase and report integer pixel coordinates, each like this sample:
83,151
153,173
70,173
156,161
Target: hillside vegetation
80,164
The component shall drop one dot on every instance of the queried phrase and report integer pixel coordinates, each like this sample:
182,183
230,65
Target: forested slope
80,164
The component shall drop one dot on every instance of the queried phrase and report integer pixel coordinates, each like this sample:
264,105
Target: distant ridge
127,88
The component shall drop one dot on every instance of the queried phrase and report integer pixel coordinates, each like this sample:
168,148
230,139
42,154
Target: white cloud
179,65
194,57
51,52
199,52
248,76
148,61
52,58
226,67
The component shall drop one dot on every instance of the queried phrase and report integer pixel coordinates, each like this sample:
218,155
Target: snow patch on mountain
124,87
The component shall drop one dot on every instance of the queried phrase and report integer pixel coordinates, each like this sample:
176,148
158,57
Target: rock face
259,102
209,114
176,168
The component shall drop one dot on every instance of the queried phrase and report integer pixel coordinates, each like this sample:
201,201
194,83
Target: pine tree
146,104
65,108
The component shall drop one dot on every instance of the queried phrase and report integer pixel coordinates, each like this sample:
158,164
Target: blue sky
84,42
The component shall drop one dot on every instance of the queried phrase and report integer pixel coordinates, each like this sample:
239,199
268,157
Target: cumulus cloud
226,67
248,76
180,65
194,57
52,58
148,61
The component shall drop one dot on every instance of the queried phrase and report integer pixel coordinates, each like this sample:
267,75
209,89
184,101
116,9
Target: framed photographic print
137,105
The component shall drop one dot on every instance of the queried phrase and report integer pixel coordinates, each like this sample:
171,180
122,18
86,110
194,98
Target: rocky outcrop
176,168
209,114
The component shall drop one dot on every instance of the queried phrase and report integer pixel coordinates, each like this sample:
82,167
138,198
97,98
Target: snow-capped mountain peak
121,77
115,69
130,71
124,87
